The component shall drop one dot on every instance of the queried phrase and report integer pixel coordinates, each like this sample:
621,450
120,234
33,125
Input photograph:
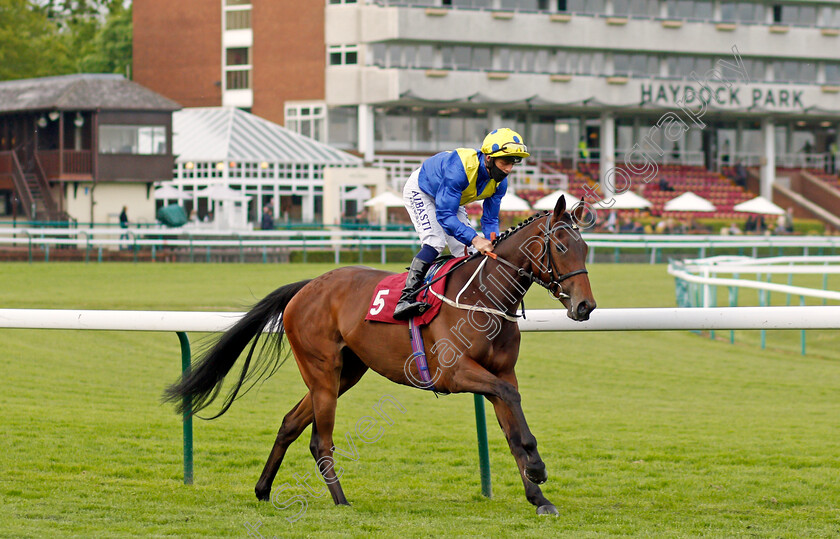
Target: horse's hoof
547,510
263,496
537,475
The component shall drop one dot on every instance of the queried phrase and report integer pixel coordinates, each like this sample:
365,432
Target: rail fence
651,319
364,245
697,281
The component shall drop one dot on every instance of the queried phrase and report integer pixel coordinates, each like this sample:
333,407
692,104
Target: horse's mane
512,230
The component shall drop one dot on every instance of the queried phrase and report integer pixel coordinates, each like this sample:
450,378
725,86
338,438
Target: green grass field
665,434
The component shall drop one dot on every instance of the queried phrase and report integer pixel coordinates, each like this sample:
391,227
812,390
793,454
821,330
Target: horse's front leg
514,437
468,375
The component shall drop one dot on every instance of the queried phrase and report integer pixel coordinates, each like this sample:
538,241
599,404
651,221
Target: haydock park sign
670,94
717,88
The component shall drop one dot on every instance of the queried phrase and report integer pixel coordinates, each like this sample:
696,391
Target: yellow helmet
504,142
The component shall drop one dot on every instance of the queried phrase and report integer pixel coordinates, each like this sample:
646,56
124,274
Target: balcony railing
76,162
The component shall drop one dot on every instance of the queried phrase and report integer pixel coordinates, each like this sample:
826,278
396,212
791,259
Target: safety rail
650,319
696,281
306,241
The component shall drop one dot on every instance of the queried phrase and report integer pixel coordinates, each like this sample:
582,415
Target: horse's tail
203,383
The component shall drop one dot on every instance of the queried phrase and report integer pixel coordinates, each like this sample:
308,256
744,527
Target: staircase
40,208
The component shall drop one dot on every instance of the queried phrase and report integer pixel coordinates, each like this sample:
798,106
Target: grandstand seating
716,188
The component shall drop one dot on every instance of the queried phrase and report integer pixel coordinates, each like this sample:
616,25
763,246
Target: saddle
387,294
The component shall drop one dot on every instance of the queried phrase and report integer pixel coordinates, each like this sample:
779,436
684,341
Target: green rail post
802,332
483,450
188,438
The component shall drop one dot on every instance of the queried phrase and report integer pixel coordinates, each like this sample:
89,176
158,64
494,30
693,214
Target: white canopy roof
759,205
387,199
511,202
221,192
170,192
688,201
627,200
549,201
224,134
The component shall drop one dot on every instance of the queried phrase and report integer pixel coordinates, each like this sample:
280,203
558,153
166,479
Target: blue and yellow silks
457,178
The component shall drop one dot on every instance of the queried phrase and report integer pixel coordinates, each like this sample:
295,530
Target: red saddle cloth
387,294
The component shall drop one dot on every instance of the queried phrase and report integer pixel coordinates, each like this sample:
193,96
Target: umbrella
511,202
358,193
688,201
387,199
222,192
627,200
170,192
549,201
759,205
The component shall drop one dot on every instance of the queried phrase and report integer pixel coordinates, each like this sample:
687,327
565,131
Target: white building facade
756,82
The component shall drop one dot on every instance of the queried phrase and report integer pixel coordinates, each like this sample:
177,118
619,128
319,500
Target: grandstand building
655,86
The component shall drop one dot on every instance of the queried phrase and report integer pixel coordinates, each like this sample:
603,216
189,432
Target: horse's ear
579,212
559,208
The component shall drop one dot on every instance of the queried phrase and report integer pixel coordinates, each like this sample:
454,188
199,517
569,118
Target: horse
323,320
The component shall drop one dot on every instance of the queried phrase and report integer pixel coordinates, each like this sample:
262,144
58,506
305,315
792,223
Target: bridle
553,284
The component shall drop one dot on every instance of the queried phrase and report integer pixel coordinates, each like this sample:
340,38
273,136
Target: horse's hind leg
294,424
324,398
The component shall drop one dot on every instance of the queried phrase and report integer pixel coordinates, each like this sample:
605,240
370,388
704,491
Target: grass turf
657,434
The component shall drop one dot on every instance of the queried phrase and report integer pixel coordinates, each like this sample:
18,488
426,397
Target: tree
112,45
56,37
28,42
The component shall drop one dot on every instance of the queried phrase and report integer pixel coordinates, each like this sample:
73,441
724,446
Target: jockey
435,195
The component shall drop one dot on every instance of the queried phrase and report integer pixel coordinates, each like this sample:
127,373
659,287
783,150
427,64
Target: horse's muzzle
581,312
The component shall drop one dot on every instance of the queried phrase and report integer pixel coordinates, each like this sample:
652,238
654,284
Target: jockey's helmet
504,142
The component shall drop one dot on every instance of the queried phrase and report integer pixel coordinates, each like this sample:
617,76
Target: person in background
583,150
435,195
267,221
740,175
124,223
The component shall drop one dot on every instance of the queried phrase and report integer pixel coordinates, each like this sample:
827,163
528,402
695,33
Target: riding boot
408,306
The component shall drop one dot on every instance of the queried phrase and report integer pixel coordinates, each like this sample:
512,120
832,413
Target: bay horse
324,322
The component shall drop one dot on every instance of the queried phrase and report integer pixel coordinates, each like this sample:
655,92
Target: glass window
621,64
238,56
728,11
808,72
461,57
238,20
482,58
527,62
237,2
832,73
597,63
425,56
132,139
378,54
541,64
703,10
504,59
342,54
410,57
638,63
307,120
238,79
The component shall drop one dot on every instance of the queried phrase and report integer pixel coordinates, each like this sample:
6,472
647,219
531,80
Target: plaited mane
510,231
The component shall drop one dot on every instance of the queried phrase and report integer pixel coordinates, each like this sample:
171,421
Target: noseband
554,283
